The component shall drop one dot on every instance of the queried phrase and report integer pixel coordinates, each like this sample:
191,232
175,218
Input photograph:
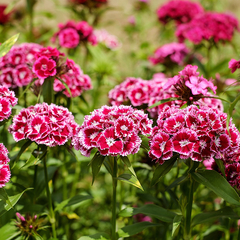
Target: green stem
51,212
114,198
189,211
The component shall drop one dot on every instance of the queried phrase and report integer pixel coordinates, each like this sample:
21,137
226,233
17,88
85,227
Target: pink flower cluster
113,131
110,41
196,133
210,25
50,125
234,65
181,11
171,52
7,99
75,79
189,85
5,173
14,65
71,34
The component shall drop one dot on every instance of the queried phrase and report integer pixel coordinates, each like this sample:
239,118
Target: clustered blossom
75,79
144,93
50,125
7,99
196,133
14,68
110,41
90,3
234,65
181,11
113,131
71,34
5,173
189,85
206,26
28,225
171,52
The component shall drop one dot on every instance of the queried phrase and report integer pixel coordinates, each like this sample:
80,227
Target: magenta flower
234,65
5,173
113,131
181,11
44,67
69,38
50,125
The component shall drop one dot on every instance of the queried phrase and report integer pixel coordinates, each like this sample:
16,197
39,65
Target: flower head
234,65
5,173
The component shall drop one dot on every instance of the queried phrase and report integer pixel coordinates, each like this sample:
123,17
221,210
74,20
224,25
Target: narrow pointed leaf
213,216
108,165
149,210
130,179
163,101
163,169
65,85
6,46
134,229
129,166
47,90
97,236
221,166
176,224
218,184
96,165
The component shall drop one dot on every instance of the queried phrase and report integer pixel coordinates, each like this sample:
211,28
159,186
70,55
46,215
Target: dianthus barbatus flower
14,67
234,65
50,125
7,100
171,52
196,133
181,11
5,173
113,131
206,26
71,34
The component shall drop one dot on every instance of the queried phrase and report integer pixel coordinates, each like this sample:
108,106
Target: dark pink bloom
5,174
181,11
44,67
234,65
4,18
69,38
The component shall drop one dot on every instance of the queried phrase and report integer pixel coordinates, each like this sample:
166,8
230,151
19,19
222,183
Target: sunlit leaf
176,224
130,179
163,101
97,236
6,46
126,160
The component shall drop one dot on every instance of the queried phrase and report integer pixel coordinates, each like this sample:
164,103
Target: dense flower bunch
110,41
14,67
7,99
210,25
189,85
181,11
171,52
196,133
50,125
75,79
71,34
5,173
28,225
113,131
4,18
234,65
90,3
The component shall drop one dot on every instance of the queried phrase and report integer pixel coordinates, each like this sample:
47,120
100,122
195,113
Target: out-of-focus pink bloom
231,82
132,20
113,131
5,173
181,11
208,163
234,65
71,34
206,26
50,125
196,133
110,41
174,52
14,66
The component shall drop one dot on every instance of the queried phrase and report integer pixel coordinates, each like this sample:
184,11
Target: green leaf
96,163
231,108
220,66
72,201
178,181
200,65
130,179
11,202
27,87
37,236
66,86
9,231
220,165
31,161
125,160
6,46
163,169
176,224
108,165
97,236
218,184
213,216
163,101
47,90
135,229
149,210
